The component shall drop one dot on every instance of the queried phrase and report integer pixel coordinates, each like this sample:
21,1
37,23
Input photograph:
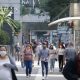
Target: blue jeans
28,65
52,62
44,66
22,64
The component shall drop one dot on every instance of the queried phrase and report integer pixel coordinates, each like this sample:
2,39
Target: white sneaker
46,76
29,75
43,78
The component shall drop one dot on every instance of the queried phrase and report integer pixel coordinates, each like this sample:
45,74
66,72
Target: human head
28,47
51,46
60,46
44,45
3,51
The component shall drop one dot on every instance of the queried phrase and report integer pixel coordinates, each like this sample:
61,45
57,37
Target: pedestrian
60,53
52,57
34,45
71,70
22,56
70,52
17,51
28,59
44,56
38,48
7,65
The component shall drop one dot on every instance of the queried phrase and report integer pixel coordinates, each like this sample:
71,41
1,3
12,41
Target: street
36,73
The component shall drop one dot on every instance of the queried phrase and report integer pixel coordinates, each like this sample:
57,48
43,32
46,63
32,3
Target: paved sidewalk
36,73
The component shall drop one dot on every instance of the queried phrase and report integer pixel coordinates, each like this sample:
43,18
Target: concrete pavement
36,73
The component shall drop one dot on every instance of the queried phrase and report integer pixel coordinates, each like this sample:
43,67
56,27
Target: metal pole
30,36
74,38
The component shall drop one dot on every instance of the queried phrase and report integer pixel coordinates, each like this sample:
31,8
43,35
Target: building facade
15,4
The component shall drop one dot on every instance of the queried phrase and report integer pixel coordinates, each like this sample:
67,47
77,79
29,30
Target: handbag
13,75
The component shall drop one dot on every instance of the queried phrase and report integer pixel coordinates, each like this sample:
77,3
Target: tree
5,18
54,7
4,37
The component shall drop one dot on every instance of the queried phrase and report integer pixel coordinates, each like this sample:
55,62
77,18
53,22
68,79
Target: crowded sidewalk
36,73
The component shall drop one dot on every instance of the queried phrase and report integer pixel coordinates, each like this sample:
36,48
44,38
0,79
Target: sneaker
53,70
29,75
43,78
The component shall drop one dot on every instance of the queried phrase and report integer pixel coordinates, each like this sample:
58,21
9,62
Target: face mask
3,53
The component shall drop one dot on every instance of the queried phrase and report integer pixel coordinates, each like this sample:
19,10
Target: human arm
12,64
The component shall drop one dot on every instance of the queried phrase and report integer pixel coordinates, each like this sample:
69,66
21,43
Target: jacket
69,70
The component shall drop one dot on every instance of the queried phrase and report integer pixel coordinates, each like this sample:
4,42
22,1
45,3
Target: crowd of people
44,53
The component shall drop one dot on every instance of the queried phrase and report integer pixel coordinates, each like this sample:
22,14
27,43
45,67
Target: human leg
46,68
30,67
26,64
42,65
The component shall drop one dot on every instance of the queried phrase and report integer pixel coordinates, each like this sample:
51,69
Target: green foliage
54,7
24,10
4,37
5,17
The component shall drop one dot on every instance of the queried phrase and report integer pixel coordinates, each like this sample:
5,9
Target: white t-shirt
60,51
5,73
52,54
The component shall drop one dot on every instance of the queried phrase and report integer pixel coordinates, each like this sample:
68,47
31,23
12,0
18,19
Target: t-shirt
5,73
60,51
52,54
44,54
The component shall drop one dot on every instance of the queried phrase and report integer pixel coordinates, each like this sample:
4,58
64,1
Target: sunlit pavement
36,73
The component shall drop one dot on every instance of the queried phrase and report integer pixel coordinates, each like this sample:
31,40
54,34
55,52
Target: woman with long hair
52,56
28,59
61,56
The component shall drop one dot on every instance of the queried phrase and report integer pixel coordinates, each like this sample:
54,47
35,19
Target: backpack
78,64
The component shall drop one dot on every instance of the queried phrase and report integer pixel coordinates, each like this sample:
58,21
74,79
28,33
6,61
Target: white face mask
3,53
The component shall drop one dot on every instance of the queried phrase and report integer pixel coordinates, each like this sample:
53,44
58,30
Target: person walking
70,52
60,52
28,59
17,51
71,70
44,56
7,65
38,48
52,57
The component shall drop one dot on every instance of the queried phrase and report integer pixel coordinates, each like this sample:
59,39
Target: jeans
44,66
28,65
22,64
52,62
61,61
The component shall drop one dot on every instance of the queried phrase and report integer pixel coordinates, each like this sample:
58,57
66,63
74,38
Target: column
75,11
